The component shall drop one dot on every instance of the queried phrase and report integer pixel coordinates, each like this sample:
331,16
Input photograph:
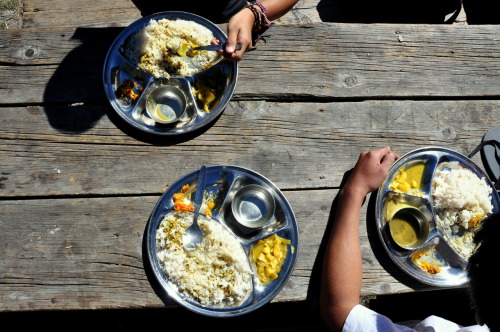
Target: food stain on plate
129,91
182,200
392,206
428,260
208,89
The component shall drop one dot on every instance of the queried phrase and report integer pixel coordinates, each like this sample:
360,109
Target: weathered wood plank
88,13
79,151
87,253
384,61
91,13
48,13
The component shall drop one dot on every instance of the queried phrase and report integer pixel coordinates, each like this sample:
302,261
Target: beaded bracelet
261,22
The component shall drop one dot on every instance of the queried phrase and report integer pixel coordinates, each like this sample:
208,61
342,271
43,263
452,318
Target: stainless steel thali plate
223,182
120,74
435,250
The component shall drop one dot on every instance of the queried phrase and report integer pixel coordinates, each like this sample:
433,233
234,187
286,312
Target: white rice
217,272
155,47
461,200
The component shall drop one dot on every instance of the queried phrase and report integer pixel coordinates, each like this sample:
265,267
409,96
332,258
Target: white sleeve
362,319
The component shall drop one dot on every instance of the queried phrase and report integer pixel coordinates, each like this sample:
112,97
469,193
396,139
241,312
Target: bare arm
241,24
342,266
278,8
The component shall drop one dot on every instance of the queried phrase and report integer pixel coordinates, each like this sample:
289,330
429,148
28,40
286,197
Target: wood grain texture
77,185
48,13
64,65
78,151
89,13
87,253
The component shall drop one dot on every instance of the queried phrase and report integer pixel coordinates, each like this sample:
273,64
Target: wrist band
261,22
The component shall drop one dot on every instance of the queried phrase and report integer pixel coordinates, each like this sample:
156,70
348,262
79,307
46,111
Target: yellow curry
409,180
269,255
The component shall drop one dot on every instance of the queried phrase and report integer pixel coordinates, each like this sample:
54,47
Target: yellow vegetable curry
269,255
409,180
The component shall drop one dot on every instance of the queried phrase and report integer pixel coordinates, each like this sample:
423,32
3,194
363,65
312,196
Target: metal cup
406,221
253,207
166,104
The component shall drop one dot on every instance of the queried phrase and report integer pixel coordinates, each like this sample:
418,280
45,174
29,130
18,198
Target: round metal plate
453,266
118,69
222,182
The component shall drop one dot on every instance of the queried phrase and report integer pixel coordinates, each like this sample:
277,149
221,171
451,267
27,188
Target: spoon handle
200,189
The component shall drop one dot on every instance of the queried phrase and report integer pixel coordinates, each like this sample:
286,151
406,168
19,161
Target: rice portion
217,272
462,200
160,47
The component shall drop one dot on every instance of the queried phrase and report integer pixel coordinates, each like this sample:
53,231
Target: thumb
231,42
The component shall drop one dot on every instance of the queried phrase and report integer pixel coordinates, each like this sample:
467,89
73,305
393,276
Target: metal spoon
214,47
194,235
194,62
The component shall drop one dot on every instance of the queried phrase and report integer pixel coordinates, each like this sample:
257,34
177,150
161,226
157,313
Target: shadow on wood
77,82
211,10
389,11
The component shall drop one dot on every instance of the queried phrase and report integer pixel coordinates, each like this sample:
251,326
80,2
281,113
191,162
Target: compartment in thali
179,95
209,86
128,84
458,216
238,268
437,260
414,176
277,220
215,192
271,256
394,202
163,50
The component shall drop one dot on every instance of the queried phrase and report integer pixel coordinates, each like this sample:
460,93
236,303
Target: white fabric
363,319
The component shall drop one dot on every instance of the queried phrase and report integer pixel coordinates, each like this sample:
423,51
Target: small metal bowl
253,207
409,228
166,104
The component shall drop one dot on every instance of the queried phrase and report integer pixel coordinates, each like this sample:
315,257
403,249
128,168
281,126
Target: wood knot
29,52
349,81
26,53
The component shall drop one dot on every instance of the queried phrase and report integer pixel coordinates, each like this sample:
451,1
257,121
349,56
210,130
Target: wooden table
77,186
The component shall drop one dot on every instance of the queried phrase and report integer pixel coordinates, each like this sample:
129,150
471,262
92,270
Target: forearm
277,8
342,268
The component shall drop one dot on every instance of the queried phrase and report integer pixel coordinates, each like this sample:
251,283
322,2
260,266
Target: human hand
370,171
239,30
